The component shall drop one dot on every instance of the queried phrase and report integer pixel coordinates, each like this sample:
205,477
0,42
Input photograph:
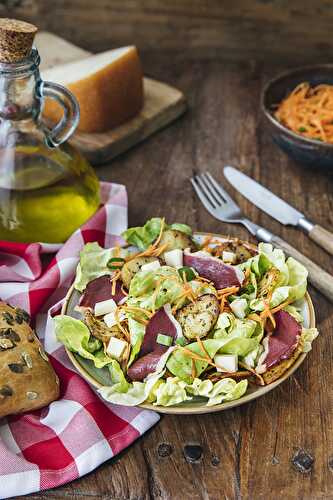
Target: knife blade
277,208
262,197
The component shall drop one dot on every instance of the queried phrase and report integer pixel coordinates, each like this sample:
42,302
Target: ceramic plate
100,377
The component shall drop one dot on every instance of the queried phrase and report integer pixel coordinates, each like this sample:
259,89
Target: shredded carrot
222,295
267,313
196,357
281,306
138,309
255,317
228,290
194,370
308,111
120,326
123,290
248,368
114,280
116,251
202,347
201,278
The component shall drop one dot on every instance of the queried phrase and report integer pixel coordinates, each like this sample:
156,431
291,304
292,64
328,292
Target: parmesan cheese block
108,86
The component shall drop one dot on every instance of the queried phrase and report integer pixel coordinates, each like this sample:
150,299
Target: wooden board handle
323,237
319,278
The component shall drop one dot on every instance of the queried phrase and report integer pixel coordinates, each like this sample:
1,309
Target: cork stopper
16,39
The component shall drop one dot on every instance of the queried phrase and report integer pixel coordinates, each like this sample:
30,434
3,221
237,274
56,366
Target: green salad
173,318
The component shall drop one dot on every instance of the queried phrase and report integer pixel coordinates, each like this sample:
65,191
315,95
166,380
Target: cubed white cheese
104,307
238,307
116,348
151,266
174,258
229,257
110,319
226,362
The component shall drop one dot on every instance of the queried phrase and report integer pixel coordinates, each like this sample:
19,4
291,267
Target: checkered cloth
72,436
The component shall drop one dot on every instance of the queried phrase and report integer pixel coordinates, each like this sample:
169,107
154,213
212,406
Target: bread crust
27,379
276,371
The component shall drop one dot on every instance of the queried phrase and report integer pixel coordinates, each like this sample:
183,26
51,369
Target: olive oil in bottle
47,188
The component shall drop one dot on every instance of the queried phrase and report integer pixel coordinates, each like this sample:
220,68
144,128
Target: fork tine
206,191
206,203
218,199
219,189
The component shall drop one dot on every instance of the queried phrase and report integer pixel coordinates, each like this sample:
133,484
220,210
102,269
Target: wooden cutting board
162,105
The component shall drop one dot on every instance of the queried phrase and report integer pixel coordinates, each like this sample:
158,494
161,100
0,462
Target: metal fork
220,205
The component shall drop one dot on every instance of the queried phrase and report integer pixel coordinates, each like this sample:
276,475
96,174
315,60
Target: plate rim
199,410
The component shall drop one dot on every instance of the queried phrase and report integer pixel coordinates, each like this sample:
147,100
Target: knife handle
322,237
319,278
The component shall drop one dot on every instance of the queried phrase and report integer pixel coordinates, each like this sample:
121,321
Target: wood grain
322,237
280,446
265,29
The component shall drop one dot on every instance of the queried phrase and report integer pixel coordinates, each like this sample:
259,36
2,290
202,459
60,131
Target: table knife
277,208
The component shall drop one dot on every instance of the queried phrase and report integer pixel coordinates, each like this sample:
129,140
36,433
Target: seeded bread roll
27,379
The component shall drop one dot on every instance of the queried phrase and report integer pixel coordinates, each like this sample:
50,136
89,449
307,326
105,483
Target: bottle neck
20,97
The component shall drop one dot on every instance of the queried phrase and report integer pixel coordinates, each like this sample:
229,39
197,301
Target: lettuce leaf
144,283
175,391
117,377
297,282
180,364
183,228
277,258
143,236
170,393
307,337
75,335
228,326
136,393
137,331
234,390
93,263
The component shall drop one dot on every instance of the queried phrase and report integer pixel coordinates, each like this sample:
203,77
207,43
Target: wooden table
279,446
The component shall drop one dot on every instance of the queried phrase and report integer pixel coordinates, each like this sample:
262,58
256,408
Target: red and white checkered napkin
72,436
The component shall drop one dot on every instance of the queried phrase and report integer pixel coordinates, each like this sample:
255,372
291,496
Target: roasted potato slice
175,240
99,329
243,250
197,319
132,267
242,254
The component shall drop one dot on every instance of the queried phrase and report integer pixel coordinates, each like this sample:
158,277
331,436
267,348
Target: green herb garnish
164,339
116,263
186,272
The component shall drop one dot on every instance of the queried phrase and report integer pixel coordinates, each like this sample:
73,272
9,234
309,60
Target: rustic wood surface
210,28
280,446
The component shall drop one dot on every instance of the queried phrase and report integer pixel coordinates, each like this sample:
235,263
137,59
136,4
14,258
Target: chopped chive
302,129
116,263
188,272
164,339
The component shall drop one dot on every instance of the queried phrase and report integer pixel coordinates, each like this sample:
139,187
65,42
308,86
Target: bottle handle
70,119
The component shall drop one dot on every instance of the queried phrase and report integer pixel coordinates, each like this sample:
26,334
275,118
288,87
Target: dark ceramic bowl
301,149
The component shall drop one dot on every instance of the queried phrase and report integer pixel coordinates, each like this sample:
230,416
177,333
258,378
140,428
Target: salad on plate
173,317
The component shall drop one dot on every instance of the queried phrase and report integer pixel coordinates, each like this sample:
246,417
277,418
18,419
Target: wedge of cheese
108,86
